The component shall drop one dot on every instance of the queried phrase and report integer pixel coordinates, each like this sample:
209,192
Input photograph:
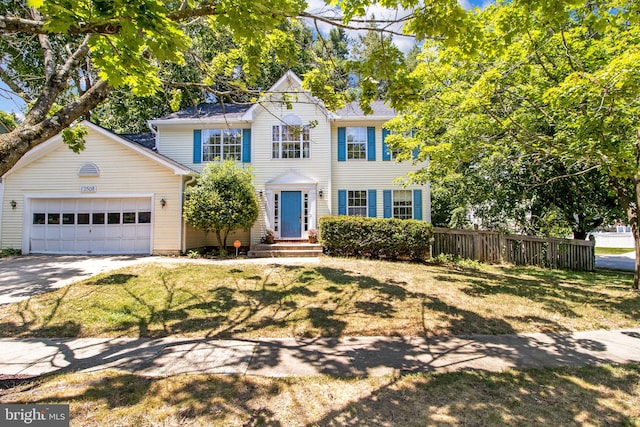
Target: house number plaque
88,188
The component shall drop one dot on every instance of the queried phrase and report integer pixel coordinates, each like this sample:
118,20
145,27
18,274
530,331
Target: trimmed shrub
375,237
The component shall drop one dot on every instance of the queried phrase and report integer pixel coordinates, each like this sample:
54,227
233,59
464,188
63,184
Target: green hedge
375,237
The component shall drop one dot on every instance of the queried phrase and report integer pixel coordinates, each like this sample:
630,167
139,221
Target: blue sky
12,104
8,103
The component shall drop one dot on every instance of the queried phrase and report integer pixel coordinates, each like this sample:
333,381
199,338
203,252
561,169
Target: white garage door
90,226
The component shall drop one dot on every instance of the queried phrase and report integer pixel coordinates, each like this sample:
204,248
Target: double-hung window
357,203
221,144
290,142
356,143
402,204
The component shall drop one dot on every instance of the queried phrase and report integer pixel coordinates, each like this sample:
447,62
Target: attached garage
114,197
90,225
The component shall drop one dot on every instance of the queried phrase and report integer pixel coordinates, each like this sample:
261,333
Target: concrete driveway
626,262
25,276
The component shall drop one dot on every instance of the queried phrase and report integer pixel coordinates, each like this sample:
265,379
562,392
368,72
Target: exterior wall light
13,204
320,193
163,202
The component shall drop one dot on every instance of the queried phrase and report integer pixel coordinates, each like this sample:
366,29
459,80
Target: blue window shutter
246,145
417,204
386,153
371,144
197,146
372,203
342,144
416,151
342,202
386,200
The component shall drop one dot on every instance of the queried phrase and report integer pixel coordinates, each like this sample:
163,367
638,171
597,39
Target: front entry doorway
291,219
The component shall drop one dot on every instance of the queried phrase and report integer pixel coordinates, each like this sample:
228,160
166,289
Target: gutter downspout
183,229
154,130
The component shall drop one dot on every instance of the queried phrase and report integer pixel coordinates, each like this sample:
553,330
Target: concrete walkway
22,277
356,356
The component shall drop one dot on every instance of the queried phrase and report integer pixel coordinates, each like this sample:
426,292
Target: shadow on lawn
557,290
310,302
559,396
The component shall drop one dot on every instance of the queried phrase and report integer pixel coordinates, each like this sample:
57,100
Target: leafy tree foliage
551,94
8,121
64,57
222,199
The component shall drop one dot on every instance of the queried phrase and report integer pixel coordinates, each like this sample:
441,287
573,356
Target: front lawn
337,297
594,396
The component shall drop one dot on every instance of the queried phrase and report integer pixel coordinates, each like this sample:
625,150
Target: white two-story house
124,194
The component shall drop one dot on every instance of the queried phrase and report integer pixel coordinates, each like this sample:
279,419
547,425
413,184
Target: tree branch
28,135
14,24
569,175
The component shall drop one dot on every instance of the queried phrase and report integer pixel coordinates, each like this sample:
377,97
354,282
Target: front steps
285,250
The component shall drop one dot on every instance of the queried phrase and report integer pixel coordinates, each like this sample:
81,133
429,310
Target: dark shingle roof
147,140
207,111
380,109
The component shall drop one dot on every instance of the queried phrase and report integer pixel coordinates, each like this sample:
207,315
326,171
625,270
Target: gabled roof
353,111
205,112
55,142
289,79
291,177
288,82
147,140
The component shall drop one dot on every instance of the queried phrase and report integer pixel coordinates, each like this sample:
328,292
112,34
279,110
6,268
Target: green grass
613,251
337,297
595,396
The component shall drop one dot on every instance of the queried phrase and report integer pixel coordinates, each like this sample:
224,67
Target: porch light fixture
13,204
260,193
163,202
320,193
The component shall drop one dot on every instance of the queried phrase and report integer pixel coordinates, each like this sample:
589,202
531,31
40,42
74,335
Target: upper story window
393,154
290,141
402,204
356,143
221,144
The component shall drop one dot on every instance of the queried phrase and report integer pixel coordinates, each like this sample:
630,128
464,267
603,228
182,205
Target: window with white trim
221,144
402,204
356,143
290,142
357,203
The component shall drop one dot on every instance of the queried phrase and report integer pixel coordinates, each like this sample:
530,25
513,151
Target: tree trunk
636,272
632,213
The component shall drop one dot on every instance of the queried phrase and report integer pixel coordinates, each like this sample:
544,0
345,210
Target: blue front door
291,214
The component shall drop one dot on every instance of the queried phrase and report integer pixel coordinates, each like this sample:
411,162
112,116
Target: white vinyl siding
124,173
380,175
266,168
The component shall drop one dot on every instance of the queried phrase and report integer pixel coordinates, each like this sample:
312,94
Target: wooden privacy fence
493,248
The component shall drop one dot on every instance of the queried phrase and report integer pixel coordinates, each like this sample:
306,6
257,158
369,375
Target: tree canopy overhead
551,94
64,57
